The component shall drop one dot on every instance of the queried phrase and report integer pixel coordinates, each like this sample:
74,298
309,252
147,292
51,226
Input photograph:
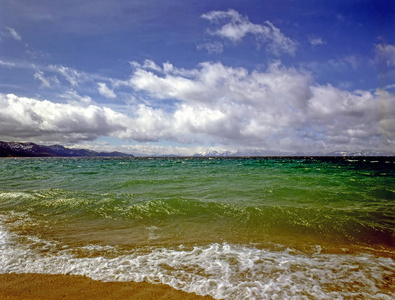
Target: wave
372,223
224,271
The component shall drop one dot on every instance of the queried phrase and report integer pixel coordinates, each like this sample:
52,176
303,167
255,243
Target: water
232,228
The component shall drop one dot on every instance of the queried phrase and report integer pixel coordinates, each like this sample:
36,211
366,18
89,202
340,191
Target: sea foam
224,271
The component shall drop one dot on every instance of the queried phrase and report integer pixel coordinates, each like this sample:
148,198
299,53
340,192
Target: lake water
232,228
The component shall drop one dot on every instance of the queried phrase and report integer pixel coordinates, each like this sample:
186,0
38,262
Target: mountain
15,149
249,152
212,152
358,153
260,152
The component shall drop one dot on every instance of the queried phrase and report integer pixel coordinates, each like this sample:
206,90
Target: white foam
4,239
223,271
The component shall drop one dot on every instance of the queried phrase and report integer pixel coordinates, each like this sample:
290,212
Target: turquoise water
231,228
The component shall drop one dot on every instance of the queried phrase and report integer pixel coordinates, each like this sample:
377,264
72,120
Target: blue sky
179,77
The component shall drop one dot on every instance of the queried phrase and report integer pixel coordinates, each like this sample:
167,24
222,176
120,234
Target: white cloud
142,149
39,75
280,109
237,27
46,82
149,64
212,48
233,26
316,41
27,118
105,91
388,87
386,54
7,64
75,99
353,61
73,76
16,36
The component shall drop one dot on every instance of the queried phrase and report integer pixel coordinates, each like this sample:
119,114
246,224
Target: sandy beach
48,287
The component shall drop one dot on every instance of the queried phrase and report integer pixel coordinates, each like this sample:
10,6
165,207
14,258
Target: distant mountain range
15,149
259,152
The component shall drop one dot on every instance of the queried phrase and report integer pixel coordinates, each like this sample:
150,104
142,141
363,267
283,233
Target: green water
340,206
199,200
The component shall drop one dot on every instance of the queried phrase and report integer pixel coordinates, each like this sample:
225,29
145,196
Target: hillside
16,149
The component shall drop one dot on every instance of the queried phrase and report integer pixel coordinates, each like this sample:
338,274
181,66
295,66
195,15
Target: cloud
279,109
233,26
353,60
75,99
149,64
144,149
386,54
15,35
316,41
26,118
105,91
7,64
46,82
388,87
212,48
342,64
71,75
39,75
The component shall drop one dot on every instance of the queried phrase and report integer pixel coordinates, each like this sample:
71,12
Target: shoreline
33,286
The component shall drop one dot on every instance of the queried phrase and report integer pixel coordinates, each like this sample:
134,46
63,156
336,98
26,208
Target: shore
51,287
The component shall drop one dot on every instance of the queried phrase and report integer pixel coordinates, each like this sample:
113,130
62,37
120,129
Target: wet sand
51,287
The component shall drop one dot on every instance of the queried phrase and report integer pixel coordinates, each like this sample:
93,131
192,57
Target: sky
179,77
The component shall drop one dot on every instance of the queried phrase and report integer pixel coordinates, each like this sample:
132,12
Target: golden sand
51,287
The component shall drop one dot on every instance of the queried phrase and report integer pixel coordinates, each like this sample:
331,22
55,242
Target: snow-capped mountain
212,152
260,152
245,152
